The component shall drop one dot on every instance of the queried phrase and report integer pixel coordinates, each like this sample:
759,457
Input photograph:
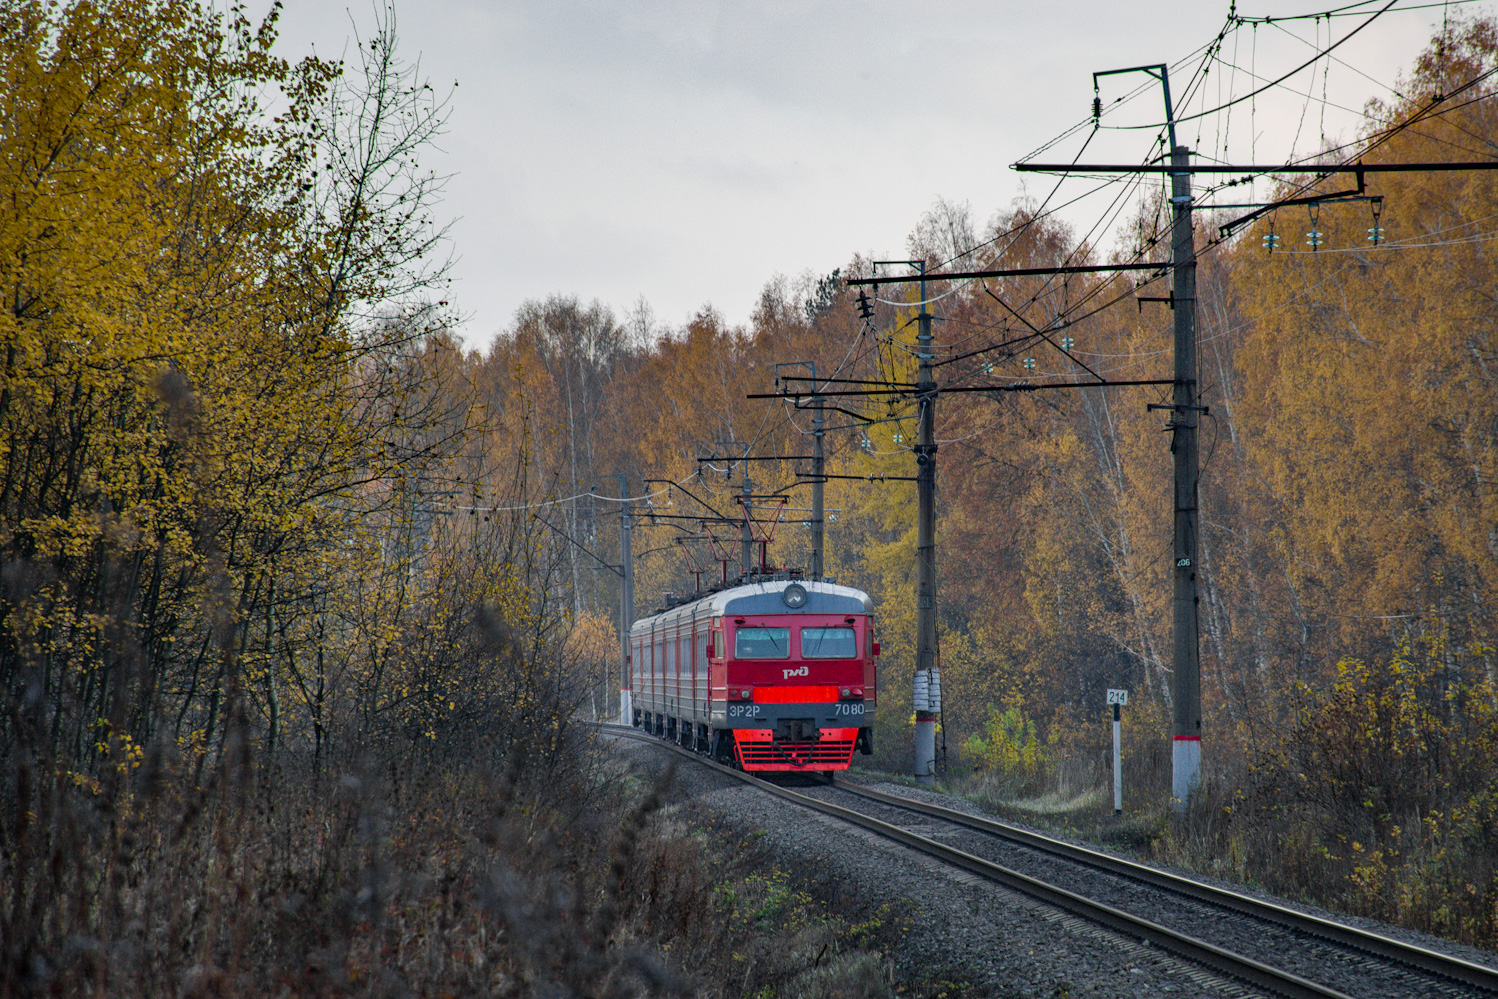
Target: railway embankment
943,932
991,907
1196,848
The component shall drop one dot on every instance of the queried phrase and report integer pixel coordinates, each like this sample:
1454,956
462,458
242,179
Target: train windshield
829,643
762,643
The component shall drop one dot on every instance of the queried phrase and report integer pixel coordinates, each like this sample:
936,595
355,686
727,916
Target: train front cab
798,681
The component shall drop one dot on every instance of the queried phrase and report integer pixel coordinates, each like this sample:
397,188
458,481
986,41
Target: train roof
764,597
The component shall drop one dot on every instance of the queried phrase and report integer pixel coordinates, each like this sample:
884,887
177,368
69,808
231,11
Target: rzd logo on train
803,671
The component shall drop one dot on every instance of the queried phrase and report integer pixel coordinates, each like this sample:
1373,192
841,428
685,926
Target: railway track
1268,946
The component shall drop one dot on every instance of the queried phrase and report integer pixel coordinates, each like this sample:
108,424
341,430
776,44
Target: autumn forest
280,552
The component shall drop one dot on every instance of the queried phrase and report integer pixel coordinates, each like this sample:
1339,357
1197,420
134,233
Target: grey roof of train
764,598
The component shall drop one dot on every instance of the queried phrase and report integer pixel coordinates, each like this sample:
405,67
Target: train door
663,668
655,669
715,639
674,655
688,672
637,668
699,670
699,660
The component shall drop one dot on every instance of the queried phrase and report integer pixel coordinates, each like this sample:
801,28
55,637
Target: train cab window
829,643
762,643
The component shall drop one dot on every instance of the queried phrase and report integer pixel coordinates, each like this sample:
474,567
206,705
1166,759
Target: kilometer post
1118,698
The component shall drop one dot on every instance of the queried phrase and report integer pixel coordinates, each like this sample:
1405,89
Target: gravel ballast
1353,972
1400,933
959,927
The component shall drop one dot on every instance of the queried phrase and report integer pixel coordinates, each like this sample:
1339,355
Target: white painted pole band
1186,768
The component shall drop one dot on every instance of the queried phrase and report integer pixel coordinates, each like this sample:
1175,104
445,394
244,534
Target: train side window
762,643
829,643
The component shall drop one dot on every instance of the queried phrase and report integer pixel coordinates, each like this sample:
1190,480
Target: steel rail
1384,947
1200,952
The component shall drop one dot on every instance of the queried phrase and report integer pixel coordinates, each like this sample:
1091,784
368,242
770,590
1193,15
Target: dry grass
440,880
1432,871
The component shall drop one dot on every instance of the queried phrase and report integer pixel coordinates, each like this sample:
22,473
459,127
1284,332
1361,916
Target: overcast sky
685,153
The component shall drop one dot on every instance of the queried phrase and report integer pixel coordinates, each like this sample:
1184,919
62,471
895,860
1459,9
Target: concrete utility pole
746,537
1186,730
1185,416
1185,407
817,471
626,603
927,693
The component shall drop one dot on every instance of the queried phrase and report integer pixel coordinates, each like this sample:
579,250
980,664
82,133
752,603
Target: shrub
1380,798
1010,749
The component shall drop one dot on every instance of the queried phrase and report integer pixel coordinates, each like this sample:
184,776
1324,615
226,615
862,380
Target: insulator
1271,242
1029,364
865,307
1097,108
1067,343
1376,235
1313,238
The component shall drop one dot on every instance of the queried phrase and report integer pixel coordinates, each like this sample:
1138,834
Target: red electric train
777,674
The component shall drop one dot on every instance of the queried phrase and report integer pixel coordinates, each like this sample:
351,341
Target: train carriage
774,674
